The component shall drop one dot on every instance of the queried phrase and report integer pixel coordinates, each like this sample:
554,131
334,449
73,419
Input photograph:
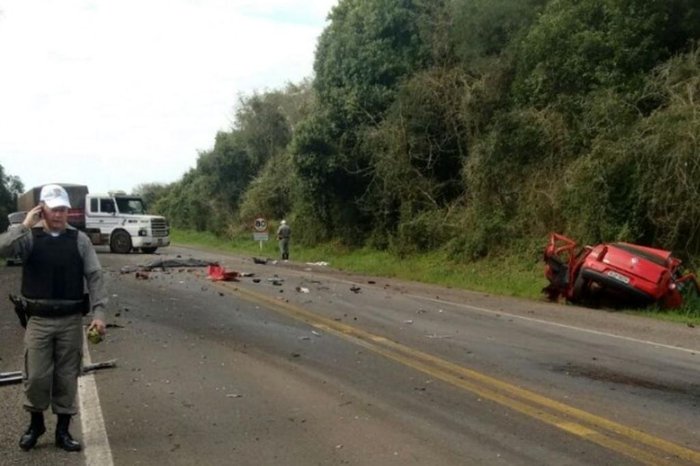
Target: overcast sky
116,93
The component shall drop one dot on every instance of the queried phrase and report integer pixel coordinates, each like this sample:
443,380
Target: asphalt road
311,366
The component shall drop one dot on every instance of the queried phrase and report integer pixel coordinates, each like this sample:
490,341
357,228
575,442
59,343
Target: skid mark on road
645,448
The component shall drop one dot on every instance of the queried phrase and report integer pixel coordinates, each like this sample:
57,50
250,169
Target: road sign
260,224
261,236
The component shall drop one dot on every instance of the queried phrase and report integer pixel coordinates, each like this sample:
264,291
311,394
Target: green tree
188,204
150,193
361,59
312,151
10,188
272,193
640,184
366,50
210,195
418,152
577,46
485,29
262,127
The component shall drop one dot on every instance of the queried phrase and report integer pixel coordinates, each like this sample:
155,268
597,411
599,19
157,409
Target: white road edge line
555,324
95,442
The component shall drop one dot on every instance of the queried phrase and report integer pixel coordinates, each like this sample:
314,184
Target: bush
420,232
482,232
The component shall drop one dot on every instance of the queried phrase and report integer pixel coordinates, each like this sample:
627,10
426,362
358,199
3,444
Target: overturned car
621,274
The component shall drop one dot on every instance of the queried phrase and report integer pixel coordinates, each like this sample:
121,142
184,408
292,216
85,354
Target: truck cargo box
76,194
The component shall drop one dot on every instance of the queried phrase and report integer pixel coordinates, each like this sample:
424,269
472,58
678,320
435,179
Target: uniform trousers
53,353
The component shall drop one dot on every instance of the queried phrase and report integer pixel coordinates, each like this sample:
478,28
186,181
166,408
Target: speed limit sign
260,224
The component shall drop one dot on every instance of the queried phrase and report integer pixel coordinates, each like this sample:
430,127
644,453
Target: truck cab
115,219
121,221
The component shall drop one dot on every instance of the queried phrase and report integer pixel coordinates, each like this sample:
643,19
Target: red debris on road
218,273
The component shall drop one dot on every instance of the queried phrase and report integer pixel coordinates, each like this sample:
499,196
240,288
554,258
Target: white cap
54,196
284,222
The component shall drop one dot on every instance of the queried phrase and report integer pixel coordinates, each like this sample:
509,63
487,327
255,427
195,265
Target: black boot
63,437
35,430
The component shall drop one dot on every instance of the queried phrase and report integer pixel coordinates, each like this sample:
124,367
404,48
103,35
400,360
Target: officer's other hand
98,325
33,216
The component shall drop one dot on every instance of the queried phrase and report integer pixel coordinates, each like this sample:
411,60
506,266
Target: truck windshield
130,205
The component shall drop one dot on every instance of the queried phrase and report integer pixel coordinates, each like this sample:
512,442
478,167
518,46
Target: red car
628,274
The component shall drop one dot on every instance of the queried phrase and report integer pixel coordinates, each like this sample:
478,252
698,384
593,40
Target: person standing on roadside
57,262
283,235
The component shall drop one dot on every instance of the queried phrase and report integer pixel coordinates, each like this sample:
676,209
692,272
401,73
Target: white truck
115,219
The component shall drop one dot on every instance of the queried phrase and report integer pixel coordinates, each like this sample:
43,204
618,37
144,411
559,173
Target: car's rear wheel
580,291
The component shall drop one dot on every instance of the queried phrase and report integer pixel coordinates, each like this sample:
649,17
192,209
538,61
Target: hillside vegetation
470,127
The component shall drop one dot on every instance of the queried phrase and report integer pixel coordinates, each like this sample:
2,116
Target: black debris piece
169,263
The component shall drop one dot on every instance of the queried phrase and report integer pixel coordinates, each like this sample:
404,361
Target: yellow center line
559,415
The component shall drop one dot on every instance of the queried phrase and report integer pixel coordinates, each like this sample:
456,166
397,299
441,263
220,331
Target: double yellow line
622,439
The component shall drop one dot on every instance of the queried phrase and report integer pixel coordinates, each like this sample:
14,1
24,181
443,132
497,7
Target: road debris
302,289
162,264
8,378
99,365
355,289
218,273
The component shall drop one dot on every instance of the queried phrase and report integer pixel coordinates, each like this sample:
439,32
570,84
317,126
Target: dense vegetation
10,188
471,127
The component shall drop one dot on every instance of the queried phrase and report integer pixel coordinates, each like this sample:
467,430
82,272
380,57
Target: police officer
283,235
58,261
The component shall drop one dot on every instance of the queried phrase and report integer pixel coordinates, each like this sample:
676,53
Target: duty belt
53,310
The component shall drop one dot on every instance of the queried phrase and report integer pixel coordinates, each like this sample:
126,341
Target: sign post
260,233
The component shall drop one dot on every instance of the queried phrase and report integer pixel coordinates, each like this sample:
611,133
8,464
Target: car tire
580,291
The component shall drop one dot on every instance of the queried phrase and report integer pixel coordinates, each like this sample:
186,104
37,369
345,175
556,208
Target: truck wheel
120,243
148,250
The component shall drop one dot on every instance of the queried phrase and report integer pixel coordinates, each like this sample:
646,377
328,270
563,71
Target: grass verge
513,275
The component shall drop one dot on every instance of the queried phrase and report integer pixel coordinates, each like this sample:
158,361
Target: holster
20,309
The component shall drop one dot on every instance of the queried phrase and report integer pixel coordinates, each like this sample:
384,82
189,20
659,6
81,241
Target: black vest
54,268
